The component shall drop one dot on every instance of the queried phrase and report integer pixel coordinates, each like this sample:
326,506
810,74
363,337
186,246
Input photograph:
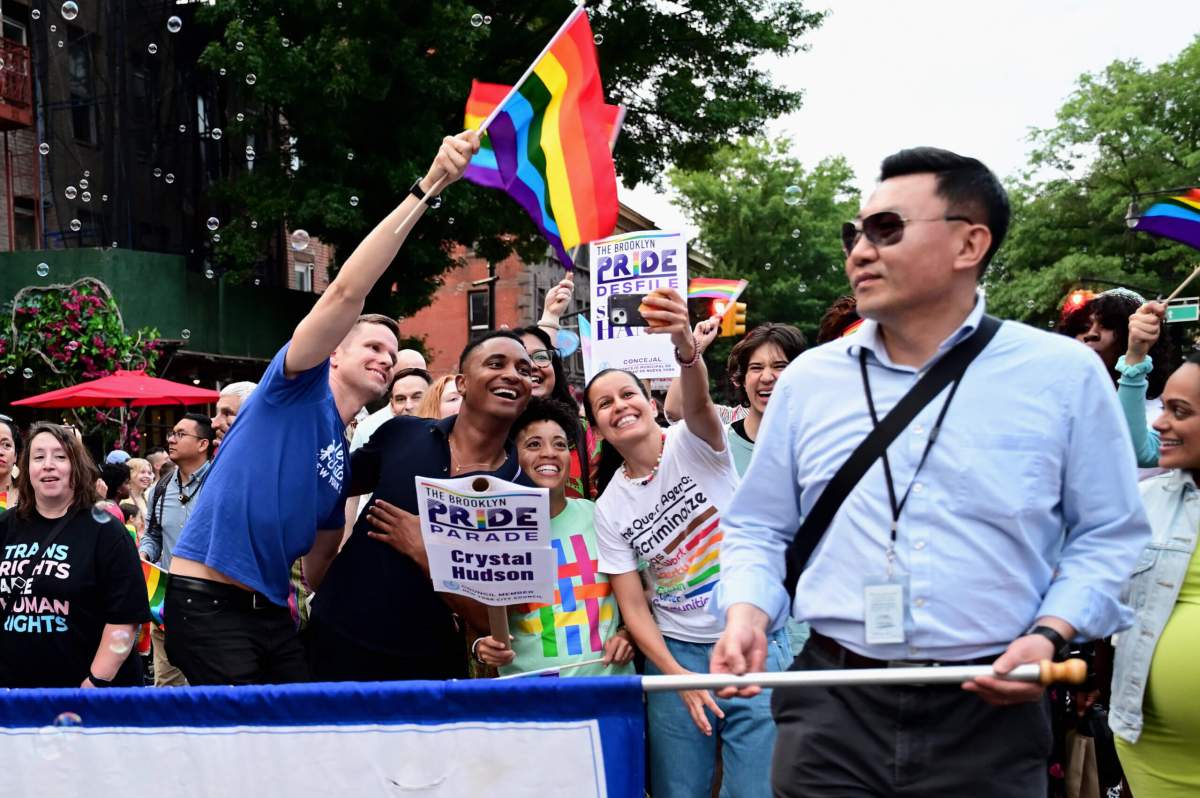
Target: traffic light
734,320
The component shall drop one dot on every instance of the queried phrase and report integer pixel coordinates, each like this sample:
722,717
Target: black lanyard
897,508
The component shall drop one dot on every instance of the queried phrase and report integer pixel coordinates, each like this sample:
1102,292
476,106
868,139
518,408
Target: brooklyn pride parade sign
634,263
487,539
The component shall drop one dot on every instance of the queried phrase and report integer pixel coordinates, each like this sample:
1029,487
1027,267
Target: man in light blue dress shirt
1017,532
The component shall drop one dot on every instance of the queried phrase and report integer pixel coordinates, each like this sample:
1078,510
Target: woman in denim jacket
1155,711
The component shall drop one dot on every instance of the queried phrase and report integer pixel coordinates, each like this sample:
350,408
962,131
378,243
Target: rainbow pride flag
714,288
156,589
549,141
1176,218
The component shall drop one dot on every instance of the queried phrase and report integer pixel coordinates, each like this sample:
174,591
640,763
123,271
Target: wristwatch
1061,646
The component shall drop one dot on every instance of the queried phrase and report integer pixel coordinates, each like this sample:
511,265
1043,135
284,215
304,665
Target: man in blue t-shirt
283,468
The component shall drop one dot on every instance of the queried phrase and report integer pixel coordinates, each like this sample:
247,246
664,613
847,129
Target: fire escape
16,113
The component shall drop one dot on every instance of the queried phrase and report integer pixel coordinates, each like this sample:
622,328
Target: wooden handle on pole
1071,671
1183,285
498,621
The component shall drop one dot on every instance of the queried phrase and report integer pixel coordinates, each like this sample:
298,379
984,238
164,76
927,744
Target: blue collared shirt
1027,506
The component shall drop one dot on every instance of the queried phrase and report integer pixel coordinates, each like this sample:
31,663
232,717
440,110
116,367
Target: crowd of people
1003,521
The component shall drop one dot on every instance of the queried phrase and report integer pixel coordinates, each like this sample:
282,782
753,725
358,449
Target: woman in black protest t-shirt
70,581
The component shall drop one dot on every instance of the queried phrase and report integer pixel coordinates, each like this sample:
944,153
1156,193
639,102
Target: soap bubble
76,225
251,79
216,134
152,48
241,117
1029,303
70,191
157,172
183,128
767,267
70,10
300,240
791,195
450,220
350,155
216,238
27,373
44,148
257,281
353,201
60,42
86,196
796,233
53,27
209,273
286,42
114,245
86,173
174,25
35,14
169,177
213,223
803,288
487,20
253,224
434,203
83,183
249,153
185,334
598,39
119,643
11,370
43,269
104,198
239,46
221,71
100,514
476,20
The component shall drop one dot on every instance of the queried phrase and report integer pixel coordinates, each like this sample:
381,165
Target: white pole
552,669
1073,671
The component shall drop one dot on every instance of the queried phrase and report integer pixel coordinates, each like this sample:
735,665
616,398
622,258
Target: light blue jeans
682,758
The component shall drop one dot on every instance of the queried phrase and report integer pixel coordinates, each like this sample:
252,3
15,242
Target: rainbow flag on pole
549,139
156,590
1176,218
727,291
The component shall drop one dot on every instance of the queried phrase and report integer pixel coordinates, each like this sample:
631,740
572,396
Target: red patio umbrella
123,389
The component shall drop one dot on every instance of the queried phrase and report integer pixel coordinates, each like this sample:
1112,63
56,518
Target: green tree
763,217
361,91
1125,130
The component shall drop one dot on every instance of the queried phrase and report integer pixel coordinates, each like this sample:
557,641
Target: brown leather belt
852,659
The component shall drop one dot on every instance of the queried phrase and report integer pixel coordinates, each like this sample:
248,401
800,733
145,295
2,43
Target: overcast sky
970,76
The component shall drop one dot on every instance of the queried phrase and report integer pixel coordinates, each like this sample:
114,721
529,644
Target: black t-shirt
57,601
373,594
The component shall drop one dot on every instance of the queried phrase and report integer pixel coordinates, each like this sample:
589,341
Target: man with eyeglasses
997,527
170,503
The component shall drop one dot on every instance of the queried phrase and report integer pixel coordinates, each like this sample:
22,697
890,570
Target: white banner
633,264
488,539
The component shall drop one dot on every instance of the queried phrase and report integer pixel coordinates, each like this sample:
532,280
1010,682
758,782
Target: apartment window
478,313
83,107
24,224
304,277
14,31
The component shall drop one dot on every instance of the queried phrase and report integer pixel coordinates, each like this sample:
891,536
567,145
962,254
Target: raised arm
704,333
331,318
1144,328
667,313
558,298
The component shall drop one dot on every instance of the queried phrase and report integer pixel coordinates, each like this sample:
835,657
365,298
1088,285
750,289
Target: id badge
885,601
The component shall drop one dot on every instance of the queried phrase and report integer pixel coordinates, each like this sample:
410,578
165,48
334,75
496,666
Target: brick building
468,304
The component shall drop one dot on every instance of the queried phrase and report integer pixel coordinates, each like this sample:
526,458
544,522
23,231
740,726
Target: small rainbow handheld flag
727,291
156,590
1176,218
549,140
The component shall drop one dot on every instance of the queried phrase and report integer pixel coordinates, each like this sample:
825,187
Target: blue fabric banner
562,737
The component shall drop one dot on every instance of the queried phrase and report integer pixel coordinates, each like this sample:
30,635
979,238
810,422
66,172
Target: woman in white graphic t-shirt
659,519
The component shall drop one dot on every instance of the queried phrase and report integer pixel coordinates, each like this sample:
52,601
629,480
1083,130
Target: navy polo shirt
373,594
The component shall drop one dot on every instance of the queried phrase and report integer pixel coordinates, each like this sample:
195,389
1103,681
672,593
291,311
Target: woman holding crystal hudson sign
661,505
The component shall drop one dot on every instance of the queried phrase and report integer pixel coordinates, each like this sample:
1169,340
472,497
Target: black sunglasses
884,229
